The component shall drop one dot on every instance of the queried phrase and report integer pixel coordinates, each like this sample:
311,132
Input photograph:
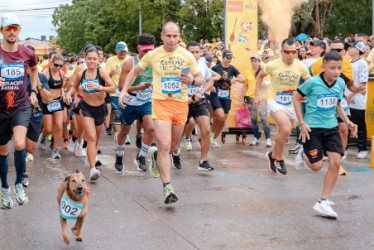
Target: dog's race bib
70,209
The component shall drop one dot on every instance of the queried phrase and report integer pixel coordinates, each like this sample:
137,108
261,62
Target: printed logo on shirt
313,153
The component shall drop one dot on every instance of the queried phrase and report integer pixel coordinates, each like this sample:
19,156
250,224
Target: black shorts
48,112
107,98
197,109
20,118
33,131
98,113
322,140
217,103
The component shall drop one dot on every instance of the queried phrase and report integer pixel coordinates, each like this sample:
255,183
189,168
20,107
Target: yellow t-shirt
347,69
166,69
112,63
250,81
284,79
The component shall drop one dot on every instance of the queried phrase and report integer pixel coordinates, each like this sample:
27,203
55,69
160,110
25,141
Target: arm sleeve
43,79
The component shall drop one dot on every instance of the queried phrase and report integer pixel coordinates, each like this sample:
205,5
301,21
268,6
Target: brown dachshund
72,200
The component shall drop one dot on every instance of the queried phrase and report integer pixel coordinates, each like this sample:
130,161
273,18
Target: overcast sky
35,16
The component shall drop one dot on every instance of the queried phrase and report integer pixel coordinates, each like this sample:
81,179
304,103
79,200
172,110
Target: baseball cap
208,59
122,46
319,43
256,57
358,45
146,46
227,54
9,19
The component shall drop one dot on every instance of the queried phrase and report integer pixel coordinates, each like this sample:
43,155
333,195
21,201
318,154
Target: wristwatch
40,87
35,91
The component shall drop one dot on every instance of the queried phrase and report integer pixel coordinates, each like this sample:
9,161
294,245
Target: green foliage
105,23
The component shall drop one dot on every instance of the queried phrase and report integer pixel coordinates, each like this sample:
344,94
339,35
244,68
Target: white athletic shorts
289,110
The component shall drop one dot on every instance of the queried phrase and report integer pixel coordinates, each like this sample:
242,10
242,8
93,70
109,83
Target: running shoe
205,166
299,159
323,207
255,142
108,131
118,164
280,167
169,195
50,137
342,171
41,141
66,145
187,144
153,164
29,157
214,144
94,174
271,161
140,163
6,200
127,141
79,151
21,197
295,149
25,180
72,146
139,142
55,154
176,160
268,143
362,154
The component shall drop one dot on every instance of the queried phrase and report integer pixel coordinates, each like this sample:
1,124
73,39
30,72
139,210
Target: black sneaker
272,167
138,142
108,131
98,163
176,161
205,166
280,167
119,165
140,163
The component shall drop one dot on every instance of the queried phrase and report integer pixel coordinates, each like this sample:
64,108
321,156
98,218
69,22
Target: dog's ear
67,178
77,171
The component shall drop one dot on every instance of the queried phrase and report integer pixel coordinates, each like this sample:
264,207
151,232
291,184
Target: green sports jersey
144,76
321,101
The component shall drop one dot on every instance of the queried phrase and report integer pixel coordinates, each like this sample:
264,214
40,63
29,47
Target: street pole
140,20
372,19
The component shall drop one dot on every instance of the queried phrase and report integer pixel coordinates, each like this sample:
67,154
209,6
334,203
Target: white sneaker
214,144
55,155
324,208
72,146
295,149
21,197
187,144
362,154
87,163
268,143
94,174
79,151
299,159
255,142
29,157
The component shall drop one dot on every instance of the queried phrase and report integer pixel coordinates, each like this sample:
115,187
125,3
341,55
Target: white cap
9,19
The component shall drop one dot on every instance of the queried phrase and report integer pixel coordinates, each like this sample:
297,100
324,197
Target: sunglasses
57,65
337,50
12,27
290,52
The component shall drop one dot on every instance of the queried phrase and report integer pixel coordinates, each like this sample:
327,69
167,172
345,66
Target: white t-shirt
360,74
206,73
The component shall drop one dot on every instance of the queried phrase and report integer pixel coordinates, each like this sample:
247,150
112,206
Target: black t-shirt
226,74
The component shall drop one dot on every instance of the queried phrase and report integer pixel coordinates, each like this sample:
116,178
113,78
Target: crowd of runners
175,90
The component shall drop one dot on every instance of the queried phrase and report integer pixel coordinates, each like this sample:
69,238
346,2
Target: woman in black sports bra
53,111
95,82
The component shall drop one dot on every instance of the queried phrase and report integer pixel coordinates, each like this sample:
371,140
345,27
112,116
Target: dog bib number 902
70,209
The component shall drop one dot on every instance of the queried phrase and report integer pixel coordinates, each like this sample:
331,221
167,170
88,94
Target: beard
11,40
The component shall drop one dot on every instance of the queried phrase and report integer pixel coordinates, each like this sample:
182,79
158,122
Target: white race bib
54,105
144,95
70,209
223,93
171,85
12,71
193,90
327,102
344,103
283,98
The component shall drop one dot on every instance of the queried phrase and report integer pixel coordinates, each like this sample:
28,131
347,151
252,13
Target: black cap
320,43
227,54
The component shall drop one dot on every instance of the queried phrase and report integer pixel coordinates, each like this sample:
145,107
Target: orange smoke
277,15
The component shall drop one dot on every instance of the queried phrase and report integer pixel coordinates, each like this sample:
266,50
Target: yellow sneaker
342,171
29,157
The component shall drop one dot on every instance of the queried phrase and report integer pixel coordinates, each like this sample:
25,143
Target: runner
198,107
285,73
169,98
95,82
220,98
138,105
14,105
319,127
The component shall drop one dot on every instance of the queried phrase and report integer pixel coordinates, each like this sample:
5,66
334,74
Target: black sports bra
54,84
